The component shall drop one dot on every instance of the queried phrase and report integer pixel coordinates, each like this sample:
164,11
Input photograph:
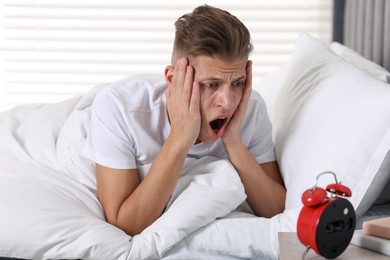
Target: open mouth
217,124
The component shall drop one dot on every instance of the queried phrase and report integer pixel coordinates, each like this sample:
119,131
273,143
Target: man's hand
133,205
263,183
183,104
232,133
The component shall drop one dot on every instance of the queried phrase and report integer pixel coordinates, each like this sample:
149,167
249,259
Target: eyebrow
240,78
219,79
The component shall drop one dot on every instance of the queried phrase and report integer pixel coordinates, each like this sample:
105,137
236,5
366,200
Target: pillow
269,86
359,61
375,71
331,116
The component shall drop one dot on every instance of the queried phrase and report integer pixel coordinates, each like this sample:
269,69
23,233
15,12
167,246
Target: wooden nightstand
291,249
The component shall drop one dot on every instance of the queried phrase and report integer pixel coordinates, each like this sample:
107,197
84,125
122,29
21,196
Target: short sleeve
109,140
259,128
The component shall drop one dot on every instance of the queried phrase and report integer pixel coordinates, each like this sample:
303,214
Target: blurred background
52,50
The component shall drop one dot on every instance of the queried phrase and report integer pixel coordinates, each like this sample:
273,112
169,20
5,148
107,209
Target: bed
329,107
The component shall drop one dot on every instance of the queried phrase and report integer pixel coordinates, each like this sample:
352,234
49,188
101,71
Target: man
203,107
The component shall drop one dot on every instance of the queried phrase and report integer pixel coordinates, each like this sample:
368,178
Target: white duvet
49,207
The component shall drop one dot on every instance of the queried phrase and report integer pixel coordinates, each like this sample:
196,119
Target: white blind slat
168,5
52,49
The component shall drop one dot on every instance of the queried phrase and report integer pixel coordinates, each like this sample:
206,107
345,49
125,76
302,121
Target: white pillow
331,116
361,62
269,86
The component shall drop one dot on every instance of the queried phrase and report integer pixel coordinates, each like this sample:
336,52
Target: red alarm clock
326,223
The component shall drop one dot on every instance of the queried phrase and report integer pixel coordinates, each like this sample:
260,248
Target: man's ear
169,74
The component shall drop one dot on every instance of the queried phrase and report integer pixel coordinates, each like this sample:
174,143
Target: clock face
335,227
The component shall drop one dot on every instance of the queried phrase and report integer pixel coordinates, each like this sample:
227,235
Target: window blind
51,50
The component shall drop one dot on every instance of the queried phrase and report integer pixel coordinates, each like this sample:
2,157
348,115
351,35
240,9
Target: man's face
221,87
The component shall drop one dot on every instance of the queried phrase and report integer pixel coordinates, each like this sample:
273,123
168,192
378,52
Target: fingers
249,73
179,76
241,109
183,104
248,83
195,98
182,82
187,87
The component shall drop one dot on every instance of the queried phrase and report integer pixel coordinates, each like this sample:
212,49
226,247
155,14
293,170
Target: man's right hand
183,104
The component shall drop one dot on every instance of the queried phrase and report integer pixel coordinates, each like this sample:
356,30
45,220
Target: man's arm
133,205
263,183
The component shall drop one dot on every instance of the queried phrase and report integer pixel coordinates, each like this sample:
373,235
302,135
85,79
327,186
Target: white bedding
50,209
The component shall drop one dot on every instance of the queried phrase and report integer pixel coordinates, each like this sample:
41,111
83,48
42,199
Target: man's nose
225,97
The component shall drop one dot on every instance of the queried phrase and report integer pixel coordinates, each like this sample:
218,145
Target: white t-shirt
129,124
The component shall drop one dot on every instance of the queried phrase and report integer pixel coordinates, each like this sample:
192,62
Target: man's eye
210,84
238,83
